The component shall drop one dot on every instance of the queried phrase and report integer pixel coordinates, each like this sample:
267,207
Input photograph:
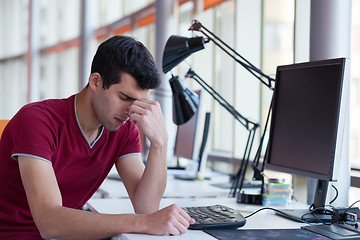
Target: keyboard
215,217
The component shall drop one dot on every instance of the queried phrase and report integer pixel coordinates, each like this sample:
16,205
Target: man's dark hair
125,54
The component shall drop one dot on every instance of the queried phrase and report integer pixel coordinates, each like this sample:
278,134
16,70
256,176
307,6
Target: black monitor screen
305,114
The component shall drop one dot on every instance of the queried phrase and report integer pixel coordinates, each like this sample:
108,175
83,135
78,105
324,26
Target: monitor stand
304,215
318,216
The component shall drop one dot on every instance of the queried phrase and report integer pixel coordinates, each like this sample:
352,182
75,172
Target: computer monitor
307,123
190,142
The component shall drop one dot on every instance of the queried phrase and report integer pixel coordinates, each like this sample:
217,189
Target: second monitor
191,141
307,125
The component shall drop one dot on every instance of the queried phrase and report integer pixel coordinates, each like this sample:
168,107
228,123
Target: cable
337,218
323,210
351,206
302,219
341,216
276,210
336,195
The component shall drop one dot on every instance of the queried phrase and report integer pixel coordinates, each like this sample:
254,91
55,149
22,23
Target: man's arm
55,221
146,186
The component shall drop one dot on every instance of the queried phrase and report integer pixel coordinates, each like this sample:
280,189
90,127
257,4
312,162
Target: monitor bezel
336,138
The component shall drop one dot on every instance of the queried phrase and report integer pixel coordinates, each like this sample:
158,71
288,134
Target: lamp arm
259,171
197,26
243,121
239,179
240,175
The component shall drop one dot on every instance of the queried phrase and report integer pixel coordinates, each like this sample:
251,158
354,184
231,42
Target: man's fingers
179,223
171,220
180,228
137,109
143,107
184,220
144,103
186,216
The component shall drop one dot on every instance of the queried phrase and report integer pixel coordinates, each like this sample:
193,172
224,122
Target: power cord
349,218
342,218
326,210
336,194
278,211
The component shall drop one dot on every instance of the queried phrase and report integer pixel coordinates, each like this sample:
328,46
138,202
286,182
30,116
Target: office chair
2,125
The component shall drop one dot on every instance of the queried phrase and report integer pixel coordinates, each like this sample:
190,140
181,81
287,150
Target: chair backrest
2,125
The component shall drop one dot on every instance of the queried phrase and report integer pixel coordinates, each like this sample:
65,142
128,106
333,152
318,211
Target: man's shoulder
49,106
51,103
50,111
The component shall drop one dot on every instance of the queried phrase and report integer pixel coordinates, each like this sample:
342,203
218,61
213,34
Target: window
13,45
355,87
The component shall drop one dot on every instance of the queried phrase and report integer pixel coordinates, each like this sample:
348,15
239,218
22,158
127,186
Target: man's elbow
47,226
47,231
45,235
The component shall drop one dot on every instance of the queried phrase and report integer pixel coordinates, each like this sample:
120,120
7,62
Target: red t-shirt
49,130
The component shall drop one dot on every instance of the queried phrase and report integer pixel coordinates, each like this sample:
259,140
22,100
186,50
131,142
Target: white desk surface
174,188
265,219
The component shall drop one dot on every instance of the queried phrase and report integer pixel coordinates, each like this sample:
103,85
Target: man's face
111,106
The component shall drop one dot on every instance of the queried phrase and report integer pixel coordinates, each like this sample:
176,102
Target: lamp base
249,198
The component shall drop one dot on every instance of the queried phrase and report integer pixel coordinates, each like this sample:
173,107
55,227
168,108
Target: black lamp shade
178,48
185,103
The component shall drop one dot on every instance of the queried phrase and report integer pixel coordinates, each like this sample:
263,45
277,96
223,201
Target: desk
263,220
174,188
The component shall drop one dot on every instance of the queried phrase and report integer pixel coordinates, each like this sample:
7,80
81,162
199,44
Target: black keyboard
215,217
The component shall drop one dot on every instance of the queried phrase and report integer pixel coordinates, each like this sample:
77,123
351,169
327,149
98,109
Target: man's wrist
139,223
159,143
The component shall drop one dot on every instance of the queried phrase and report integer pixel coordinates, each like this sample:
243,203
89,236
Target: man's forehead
135,95
128,85
128,96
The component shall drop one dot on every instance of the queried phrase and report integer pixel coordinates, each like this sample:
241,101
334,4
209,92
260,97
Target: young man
55,154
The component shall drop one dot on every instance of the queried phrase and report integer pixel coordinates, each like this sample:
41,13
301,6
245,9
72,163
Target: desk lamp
185,103
176,50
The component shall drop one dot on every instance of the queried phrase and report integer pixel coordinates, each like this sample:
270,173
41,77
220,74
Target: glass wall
13,28
58,21
13,46
355,87
262,31
250,27
13,86
277,43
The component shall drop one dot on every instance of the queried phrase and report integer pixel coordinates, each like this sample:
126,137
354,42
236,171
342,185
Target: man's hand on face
149,116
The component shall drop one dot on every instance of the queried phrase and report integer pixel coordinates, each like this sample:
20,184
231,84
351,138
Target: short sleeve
33,133
133,144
